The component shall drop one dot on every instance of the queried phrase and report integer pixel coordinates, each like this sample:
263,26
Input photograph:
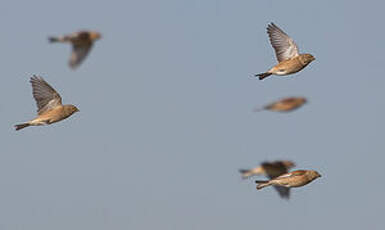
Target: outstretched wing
45,96
285,48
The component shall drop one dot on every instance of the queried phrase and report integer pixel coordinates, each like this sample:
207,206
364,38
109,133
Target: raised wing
285,48
274,169
45,96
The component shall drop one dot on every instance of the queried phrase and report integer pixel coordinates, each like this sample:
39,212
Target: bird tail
263,75
262,184
59,39
21,126
245,173
259,109
53,39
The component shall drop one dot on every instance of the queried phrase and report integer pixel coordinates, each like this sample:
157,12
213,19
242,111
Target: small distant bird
81,41
49,104
272,170
287,52
284,105
296,178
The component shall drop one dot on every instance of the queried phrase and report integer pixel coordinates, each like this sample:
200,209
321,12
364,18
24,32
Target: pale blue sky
165,122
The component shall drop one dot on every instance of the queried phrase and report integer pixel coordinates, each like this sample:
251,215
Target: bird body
50,108
290,66
289,59
296,178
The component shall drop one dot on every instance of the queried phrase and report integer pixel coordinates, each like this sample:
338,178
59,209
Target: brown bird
296,178
287,52
272,170
49,104
81,41
284,105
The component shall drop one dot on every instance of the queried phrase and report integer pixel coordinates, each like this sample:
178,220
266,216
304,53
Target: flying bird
296,178
49,104
284,105
272,170
289,59
82,43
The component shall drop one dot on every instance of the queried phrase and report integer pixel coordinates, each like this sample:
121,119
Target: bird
284,105
289,59
292,179
82,43
271,170
49,104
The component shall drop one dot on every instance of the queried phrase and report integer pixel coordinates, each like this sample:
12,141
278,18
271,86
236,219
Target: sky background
165,122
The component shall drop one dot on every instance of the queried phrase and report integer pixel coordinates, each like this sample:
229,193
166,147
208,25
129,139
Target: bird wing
79,53
45,96
285,48
274,169
283,191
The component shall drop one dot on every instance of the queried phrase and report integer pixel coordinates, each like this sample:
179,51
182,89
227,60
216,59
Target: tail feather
21,126
262,184
245,173
259,109
53,39
263,75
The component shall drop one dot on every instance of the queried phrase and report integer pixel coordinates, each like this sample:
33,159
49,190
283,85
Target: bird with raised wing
49,104
289,59
287,104
82,43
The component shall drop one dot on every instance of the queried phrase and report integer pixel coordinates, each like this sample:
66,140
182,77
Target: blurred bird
296,178
81,41
284,105
287,52
49,104
272,170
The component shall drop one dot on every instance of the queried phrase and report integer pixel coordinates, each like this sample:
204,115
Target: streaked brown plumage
296,178
271,170
81,41
49,104
284,105
289,59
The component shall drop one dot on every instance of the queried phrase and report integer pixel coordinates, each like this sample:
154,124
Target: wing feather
284,47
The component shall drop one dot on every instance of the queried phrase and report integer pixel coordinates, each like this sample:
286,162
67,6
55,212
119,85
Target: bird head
313,174
95,35
288,164
307,58
72,109
303,100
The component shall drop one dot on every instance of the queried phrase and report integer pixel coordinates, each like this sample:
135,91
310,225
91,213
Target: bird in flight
49,104
284,105
289,59
82,43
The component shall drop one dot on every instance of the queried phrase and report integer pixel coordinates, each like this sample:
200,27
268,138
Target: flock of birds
290,61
